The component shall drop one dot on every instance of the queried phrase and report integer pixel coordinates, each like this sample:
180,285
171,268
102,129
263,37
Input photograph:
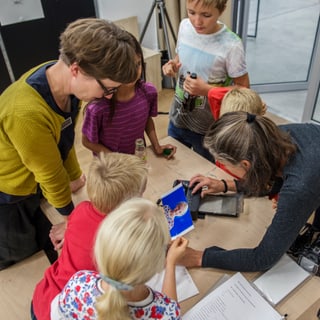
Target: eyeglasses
107,91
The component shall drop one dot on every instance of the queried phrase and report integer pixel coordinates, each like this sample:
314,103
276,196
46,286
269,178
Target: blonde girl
130,247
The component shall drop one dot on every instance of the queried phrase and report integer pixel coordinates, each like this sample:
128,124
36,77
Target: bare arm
242,81
157,148
172,67
191,259
94,147
199,87
176,252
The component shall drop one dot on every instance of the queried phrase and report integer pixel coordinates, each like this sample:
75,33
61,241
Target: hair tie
250,117
116,284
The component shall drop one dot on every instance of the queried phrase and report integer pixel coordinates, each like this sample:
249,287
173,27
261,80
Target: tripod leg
170,25
166,36
6,58
165,30
147,21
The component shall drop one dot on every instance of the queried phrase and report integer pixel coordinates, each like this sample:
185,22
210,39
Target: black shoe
303,240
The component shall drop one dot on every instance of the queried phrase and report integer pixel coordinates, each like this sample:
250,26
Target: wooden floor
17,282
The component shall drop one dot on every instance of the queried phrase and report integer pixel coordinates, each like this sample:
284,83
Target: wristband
225,185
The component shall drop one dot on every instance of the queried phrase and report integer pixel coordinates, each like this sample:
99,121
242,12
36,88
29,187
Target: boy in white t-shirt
207,48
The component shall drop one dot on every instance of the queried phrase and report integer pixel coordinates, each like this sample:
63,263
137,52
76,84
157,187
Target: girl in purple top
113,125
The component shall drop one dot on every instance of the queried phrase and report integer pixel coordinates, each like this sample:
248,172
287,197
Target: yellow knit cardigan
29,154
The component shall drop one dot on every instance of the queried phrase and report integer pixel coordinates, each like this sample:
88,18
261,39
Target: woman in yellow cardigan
37,120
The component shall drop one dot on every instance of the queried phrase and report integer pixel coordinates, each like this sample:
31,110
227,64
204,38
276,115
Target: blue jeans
190,139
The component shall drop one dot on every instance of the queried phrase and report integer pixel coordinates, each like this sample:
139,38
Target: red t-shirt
215,96
76,254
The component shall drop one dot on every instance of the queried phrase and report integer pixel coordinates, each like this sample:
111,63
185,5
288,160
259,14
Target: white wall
120,9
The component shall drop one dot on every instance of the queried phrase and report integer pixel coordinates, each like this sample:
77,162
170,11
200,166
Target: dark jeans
33,316
24,230
190,139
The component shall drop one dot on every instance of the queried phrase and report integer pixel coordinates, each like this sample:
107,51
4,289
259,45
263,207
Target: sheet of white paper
186,288
14,11
281,279
233,300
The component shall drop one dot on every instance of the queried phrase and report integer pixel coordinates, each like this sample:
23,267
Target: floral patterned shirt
77,299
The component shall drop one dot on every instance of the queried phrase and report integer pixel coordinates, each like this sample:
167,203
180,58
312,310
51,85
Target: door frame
314,81
240,26
240,14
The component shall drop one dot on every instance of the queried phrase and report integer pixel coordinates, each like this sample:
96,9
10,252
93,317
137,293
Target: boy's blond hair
113,178
242,99
219,4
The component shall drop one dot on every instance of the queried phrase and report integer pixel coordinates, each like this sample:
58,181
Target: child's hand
57,234
168,151
171,68
196,87
77,184
176,250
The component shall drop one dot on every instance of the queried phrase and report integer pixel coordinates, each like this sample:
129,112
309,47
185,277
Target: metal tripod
6,58
163,15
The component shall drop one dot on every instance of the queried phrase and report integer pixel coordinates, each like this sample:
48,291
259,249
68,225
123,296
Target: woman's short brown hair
100,48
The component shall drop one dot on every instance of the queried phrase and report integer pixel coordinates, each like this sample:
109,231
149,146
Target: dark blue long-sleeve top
299,196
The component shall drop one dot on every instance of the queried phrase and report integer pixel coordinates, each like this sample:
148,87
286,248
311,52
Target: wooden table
227,232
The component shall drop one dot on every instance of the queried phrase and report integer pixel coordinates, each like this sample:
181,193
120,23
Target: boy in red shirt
235,98
112,178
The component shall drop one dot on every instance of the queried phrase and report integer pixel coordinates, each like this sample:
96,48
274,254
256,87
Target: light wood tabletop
227,232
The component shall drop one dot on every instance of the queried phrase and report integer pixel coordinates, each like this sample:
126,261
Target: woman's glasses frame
107,91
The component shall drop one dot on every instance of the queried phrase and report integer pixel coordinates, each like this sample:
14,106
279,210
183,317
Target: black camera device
189,101
306,249
230,205
309,258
